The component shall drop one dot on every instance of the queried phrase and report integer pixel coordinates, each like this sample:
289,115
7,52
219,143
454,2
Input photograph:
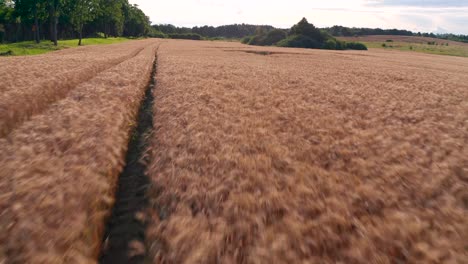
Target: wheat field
256,154
271,155
30,84
59,170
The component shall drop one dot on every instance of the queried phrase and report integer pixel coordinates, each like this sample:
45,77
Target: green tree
307,29
32,10
274,36
330,44
54,9
6,17
260,30
137,24
111,17
300,41
81,12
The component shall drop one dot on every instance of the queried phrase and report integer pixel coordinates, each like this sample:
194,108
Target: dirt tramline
60,169
30,84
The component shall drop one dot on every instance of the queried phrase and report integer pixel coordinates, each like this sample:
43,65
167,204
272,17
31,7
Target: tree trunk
53,19
55,30
51,22
18,31
36,25
80,35
105,29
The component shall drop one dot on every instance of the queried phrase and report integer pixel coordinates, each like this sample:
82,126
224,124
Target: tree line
301,35
243,30
237,31
38,20
22,20
340,31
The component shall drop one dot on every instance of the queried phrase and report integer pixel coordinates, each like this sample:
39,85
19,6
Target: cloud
419,3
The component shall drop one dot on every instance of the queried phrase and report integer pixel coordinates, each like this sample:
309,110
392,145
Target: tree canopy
226,31
52,19
307,29
340,31
301,35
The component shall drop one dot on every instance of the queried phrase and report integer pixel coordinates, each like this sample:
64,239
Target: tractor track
11,117
124,238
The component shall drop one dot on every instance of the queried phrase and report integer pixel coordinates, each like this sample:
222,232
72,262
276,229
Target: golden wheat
30,84
271,155
59,170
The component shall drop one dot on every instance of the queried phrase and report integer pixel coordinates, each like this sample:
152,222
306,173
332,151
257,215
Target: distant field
31,48
417,44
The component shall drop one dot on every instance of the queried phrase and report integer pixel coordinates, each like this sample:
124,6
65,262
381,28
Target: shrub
246,40
257,40
340,45
355,46
266,39
96,35
299,41
156,34
215,38
384,45
191,36
330,44
389,40
7,53
273,37
303,35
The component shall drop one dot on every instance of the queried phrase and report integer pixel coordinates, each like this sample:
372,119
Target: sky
449,16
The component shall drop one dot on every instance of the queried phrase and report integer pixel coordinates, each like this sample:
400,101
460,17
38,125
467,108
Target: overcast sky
450,16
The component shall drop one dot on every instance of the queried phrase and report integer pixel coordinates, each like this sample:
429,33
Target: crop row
60,169
265,155
30,84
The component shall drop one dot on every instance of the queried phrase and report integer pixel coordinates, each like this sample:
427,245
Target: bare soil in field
308,156
408,39
59,170
30,84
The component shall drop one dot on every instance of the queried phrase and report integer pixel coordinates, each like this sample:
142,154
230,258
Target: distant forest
244,30
228,31
38,20
340,31
301,35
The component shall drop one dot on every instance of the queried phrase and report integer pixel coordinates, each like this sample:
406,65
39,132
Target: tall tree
31,10
6,17
25,19
54,7
81,12
137,24
307,29
111,17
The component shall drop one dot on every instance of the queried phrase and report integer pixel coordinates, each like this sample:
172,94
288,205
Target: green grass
223,39
31,48
450,50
